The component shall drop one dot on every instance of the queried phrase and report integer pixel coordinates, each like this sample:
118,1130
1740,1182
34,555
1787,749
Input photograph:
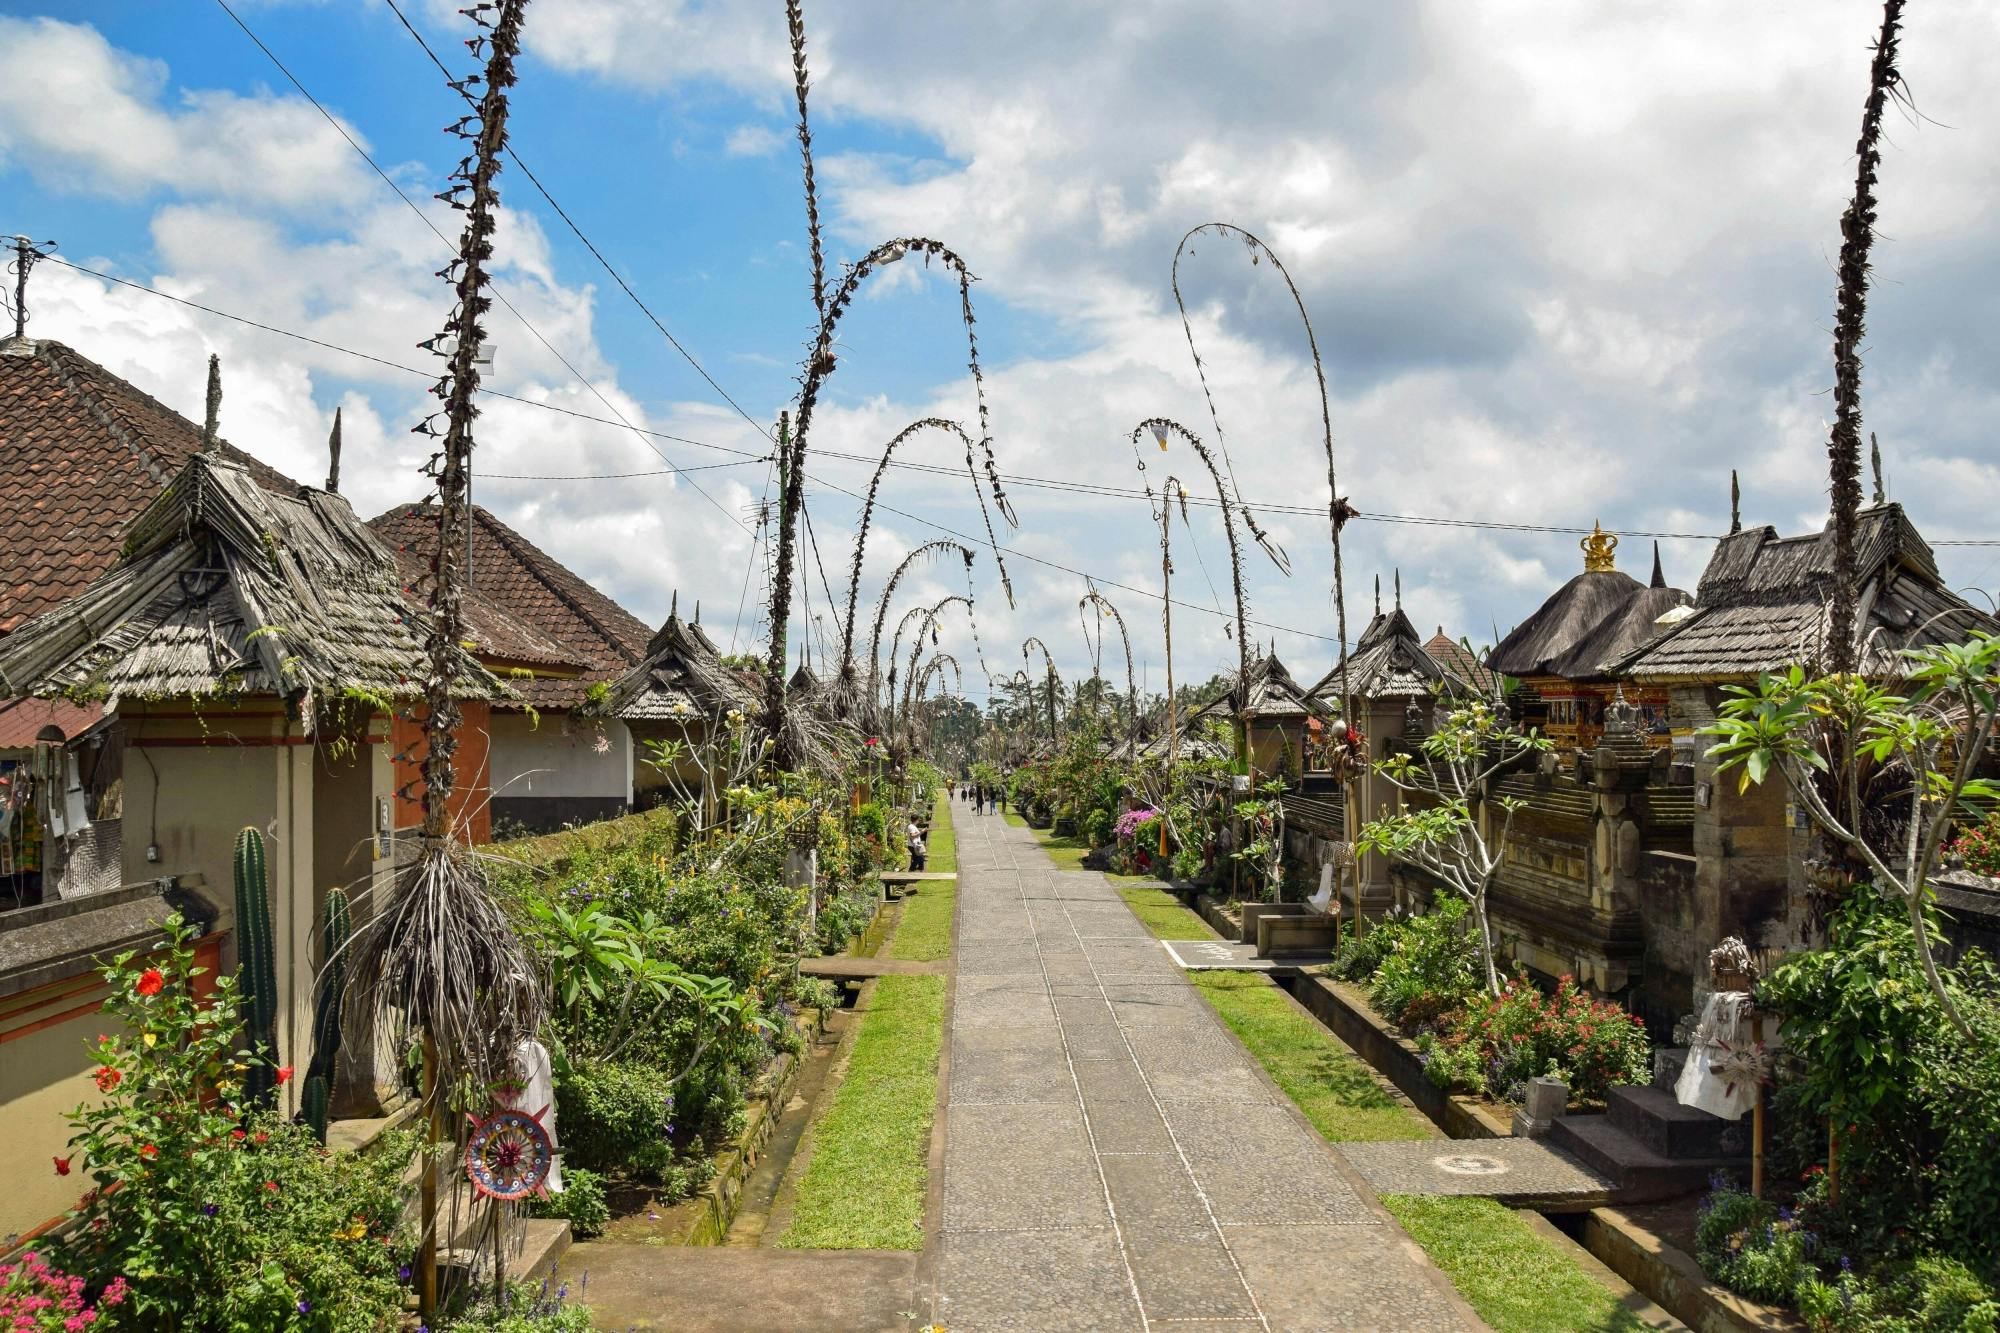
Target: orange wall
470,807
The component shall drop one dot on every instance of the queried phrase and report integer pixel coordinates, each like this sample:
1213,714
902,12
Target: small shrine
1562,653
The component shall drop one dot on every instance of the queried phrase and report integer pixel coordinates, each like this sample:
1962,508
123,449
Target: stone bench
1306,932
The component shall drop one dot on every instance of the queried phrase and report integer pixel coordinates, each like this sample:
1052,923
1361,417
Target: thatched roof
225,587
1593,620
1274,696
681,676
1763,604
1389,662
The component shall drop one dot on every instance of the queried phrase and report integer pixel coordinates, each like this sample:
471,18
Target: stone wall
1675,953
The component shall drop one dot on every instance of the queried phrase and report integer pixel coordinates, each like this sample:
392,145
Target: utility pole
26,252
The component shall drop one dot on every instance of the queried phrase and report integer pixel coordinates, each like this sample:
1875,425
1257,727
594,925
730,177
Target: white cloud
83,115
1565,263
752,141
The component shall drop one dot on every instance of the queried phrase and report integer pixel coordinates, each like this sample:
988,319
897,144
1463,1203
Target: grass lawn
864,1187
1162,913
1514,1278
924,934
1517,1279
1331,1084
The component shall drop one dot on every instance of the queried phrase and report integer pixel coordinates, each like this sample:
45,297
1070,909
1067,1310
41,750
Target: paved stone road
1113,1160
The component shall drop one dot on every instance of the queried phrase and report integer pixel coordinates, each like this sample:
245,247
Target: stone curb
722,1195
1675,1280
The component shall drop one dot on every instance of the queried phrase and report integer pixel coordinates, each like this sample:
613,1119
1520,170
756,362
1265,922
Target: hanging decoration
508,1154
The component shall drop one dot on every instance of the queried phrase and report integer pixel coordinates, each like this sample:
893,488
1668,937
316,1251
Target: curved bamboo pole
1843,448
1161,427
1054,680
1169,490
1104,607
1338,510
933,621
889,590
868,516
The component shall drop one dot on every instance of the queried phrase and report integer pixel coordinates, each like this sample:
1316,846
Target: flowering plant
1978,847
1502,1041
217,1214
35,1298
1132,821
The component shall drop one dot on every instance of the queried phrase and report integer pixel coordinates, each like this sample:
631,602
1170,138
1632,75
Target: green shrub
1097,826
582,1203
1356,960
1455,1068
1430,969
526,1308
607,1112
1520,1033
1978,847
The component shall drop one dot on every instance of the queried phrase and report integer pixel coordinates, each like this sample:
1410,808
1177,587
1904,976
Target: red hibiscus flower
107,1078
148,1151
261,1137
236,1134
62,1164
151,982
284,1073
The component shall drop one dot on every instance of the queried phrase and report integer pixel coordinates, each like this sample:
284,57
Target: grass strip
1514,1278
1333,1086
924,933
864,1187
1160,912
1517,1279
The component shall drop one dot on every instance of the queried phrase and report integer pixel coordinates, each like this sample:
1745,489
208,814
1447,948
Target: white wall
554,756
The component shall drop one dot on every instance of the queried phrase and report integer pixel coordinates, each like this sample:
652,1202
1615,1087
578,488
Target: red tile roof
81,453
22,720
558,619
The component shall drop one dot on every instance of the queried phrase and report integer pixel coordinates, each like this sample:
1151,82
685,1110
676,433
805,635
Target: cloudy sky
1566,261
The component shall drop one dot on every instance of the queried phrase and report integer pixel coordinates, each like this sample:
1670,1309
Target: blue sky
1566,269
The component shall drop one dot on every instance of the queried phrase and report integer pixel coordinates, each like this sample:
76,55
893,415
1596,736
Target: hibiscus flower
151,982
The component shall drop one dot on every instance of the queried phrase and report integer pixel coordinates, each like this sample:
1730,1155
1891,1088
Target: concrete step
1641,1174
1653,1116
715,1289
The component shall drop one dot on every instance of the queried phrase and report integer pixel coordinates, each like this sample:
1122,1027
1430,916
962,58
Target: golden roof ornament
1597,550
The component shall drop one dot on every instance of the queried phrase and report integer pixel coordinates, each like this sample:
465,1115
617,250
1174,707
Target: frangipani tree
1837,740
1451,833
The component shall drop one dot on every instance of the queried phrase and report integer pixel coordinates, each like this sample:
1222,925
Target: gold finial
1597,549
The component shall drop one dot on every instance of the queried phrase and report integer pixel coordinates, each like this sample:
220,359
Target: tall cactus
257,963
335,927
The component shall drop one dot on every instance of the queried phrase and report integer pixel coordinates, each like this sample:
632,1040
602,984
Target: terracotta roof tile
526,606
82,452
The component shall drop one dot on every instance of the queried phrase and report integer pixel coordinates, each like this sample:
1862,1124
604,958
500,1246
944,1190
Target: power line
423,217
535,180
1088,489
